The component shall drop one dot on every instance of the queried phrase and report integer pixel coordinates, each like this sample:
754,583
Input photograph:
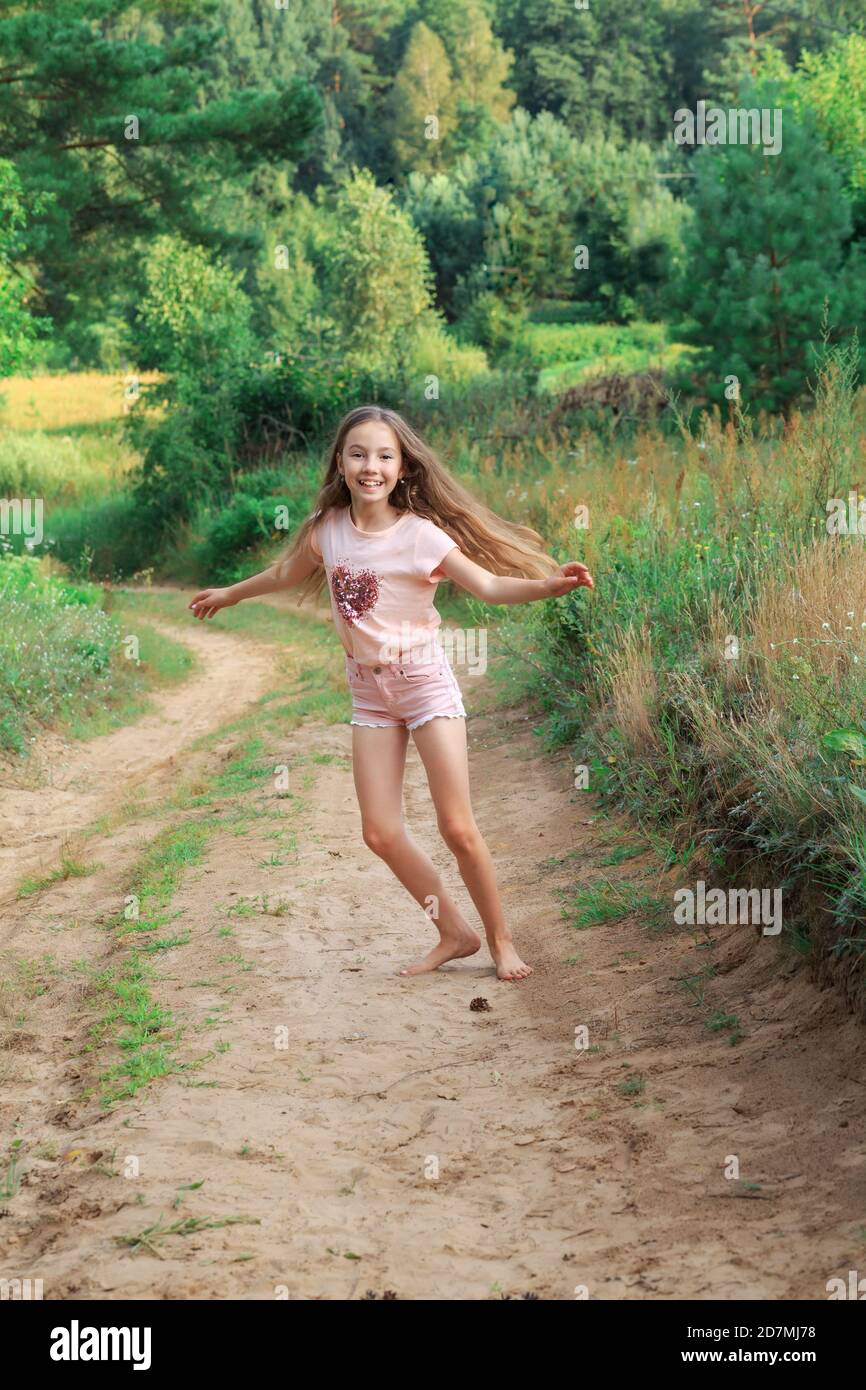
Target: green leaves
766,248
194,316
850,741
379,286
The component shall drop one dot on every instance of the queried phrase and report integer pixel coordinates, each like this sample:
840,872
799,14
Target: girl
389,524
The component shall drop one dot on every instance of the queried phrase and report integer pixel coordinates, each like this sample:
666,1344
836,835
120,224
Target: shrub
55,642
102,539
239,531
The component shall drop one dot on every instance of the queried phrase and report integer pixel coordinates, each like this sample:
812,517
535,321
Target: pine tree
100,106
765,247
602,66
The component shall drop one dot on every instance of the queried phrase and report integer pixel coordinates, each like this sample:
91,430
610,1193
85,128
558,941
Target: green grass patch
633,1085
69,868
596,903
159,872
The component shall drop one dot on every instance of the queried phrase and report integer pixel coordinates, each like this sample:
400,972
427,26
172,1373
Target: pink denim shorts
394,694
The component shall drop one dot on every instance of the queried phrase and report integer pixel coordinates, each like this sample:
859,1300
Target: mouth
369,484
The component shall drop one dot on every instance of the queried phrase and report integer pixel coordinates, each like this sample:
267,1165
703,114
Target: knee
381,839
461,837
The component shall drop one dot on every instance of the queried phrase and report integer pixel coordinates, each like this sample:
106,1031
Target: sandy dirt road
356,1131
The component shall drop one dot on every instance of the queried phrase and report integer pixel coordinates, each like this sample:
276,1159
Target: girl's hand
210,601
571,576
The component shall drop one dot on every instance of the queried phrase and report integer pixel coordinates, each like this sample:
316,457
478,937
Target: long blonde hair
429,490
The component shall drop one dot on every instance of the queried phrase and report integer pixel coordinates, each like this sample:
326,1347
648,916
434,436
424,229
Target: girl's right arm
283,574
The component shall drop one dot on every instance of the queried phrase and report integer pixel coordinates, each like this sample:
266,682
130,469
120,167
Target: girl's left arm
495,588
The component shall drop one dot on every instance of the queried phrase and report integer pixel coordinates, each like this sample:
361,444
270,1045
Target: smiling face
370,461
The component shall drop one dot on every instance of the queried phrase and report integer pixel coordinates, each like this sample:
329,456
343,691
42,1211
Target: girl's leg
441,743
378,763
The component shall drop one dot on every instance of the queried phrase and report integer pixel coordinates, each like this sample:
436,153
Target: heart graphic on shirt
355,592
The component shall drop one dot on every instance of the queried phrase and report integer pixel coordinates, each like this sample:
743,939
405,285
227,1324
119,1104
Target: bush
747,758
766,260
239,531
290,403
435,352
55,642
103,539
259,412
492,323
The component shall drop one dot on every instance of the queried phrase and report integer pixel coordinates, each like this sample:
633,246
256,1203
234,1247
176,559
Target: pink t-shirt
382,585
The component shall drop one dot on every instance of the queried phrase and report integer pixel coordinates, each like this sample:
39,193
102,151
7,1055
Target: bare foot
449,948
509,966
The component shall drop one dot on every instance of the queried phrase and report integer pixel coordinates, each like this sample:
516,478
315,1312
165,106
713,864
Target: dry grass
633,690
65,399
813,610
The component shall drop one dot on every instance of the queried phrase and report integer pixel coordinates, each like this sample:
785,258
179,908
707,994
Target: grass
62,468
724,641
11,1179
622,853
69,868
596,903
716,1020
151,1237
569,354
633,1085
67,401
159,872
67,664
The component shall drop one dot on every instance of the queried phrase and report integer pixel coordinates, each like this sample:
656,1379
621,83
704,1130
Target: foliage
101,110
194,323
18,328
55,640
765,249
530,201
379,283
